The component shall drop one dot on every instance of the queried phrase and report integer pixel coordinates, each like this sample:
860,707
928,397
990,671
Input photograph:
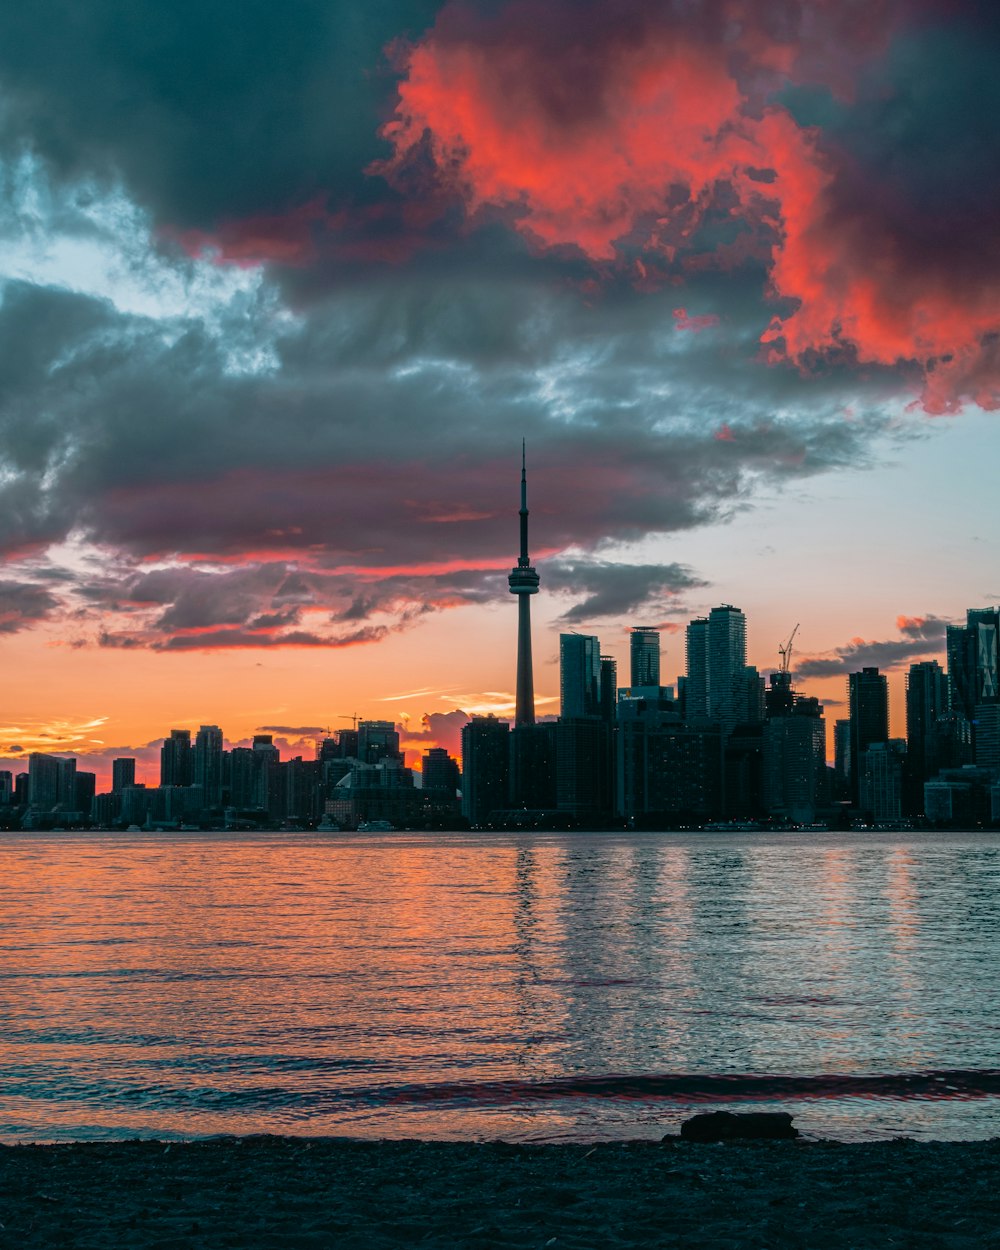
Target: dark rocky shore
304,1194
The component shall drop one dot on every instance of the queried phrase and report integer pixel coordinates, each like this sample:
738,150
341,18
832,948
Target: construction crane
786,651
353,719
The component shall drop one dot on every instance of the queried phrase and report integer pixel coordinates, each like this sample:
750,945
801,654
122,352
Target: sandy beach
303,1194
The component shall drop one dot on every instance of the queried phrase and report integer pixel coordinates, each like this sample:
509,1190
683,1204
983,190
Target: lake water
542,987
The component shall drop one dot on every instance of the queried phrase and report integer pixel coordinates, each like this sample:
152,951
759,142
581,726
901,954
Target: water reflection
545,986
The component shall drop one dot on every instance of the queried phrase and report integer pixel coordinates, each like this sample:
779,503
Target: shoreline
309,1193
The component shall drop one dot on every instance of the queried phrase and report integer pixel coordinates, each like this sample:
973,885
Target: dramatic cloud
271,333
24,604
922,637
617,590
648,137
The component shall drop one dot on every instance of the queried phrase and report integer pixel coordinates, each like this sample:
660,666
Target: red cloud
629,130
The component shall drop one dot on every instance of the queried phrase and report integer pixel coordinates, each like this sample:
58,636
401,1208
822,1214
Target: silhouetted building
973,661
926,703
244,779
644,656
609,688
382,792
533,767
842,760
743,769
665,769
583,766
695,694
207,770
177,759
959,798
881,791
485,768
378,740
84,789
441,778
727,662
6,787
868,696
795,783
303,790
579,675
122,773
51,782
523,582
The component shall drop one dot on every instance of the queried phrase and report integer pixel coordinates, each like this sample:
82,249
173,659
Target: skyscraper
868,696
122,773
926,700
579,675
485,768
208,764
523,582
176,762
696,658
644,656
716,663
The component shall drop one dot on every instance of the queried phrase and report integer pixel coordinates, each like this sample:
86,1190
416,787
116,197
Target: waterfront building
177,759
122,773
644,656
881,789
378,740
579,675
207,764
485,768
868,698
695,693
926,703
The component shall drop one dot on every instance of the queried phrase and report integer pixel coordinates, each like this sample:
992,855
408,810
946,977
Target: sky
283,287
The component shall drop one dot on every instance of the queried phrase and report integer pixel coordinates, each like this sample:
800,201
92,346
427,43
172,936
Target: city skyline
271,337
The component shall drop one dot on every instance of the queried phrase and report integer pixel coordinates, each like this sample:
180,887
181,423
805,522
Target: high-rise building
523,582
842,760
207,770
973,661
579,675
177,759
881,788
696,659
440,771
485,768
727,661
6,787
795,761
609,688
378,740
583,766
43,781
644,656
868,698
926,703
122,773
533,767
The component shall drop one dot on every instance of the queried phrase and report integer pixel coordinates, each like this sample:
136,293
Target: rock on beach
312,1194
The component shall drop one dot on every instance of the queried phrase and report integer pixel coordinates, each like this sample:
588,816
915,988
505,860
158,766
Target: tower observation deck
523,582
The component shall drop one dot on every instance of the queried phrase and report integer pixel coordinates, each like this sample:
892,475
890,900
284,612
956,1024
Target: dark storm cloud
23,605
613,589
922,636
207,109
370,449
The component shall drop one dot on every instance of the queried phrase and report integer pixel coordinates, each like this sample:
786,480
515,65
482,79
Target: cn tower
523,582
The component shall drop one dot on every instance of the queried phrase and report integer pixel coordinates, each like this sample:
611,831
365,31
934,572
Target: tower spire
523,582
